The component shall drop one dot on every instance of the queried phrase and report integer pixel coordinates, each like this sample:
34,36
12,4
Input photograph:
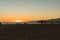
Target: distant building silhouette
49,22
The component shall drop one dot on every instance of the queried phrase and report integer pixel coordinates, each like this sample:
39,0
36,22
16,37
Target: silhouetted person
0,23
51,22
25,23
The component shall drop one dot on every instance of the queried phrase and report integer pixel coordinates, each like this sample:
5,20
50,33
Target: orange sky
29,10
23,19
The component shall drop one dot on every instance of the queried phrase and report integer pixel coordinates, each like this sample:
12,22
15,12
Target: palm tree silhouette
42,21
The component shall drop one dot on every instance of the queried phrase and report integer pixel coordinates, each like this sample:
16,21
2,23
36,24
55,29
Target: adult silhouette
25,23
0,23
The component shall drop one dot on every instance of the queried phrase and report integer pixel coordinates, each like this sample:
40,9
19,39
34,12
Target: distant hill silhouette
50,21
57,19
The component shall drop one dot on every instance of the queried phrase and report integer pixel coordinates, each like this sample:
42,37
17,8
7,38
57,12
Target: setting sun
18,21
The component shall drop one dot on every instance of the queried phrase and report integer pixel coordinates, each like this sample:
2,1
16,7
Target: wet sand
30,32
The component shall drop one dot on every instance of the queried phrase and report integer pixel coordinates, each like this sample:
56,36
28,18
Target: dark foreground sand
30,32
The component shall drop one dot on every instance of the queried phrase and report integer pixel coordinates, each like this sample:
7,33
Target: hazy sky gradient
24,9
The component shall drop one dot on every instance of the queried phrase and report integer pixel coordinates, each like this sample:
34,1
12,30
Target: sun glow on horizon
18,21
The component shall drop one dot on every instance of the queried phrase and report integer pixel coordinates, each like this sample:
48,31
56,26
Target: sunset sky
28,10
